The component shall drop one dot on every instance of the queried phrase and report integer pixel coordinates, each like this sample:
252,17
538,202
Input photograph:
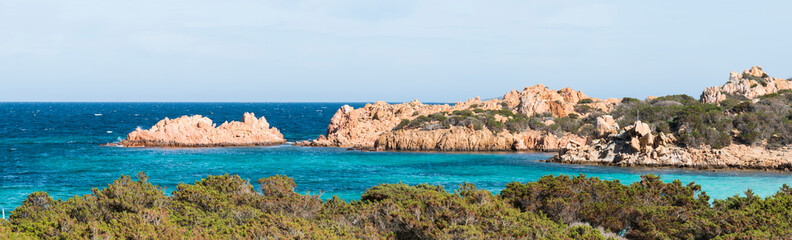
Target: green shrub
680,98
582,108
652,209
464,113
760,80
228,207
404,123
629,100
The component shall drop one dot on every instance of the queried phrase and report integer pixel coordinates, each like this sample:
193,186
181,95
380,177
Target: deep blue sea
55,147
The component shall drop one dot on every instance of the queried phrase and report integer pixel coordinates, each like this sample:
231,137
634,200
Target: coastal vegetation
735,120
475,118
554,207
504,120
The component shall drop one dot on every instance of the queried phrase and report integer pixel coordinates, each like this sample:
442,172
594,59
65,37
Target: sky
368,50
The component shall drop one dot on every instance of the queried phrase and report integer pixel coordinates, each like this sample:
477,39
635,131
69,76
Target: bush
680,98
760,80
629,100
227,207
652,209
464,113
582,108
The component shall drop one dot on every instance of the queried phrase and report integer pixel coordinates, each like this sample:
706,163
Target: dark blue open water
54,147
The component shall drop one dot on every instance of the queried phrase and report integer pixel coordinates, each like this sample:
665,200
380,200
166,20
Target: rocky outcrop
606,125
637,145
469,139
199,131
751,84
542,141
453,139
361,128
540,99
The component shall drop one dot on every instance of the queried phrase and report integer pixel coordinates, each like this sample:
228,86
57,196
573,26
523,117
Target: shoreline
712,168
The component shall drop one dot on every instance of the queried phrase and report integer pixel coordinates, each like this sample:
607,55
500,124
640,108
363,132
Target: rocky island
199,131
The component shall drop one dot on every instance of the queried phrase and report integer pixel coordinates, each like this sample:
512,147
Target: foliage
629,100
652,209
700,124
760,80
769,119
553,207
228,207
477,118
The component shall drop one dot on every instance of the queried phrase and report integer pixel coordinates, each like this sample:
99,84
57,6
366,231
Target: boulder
606,126
641,129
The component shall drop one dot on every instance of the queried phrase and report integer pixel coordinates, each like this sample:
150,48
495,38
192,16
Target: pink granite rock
751,83
199,131
362,127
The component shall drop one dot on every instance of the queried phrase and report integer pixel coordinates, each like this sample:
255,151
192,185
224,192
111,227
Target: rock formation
469,139
606,125
540,99
637,145
199,131
751,84
453,139
361,128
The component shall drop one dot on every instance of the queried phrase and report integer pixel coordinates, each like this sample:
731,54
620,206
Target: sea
57,148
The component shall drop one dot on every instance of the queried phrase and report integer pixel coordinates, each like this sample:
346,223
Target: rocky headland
415,126
638,145
199,131
744,124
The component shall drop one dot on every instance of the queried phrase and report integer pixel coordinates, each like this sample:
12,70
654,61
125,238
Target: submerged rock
199,131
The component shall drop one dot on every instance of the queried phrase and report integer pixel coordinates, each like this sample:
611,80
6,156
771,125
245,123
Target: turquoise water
54,147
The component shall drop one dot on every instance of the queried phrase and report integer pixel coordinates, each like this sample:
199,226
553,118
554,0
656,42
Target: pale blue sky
345,51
